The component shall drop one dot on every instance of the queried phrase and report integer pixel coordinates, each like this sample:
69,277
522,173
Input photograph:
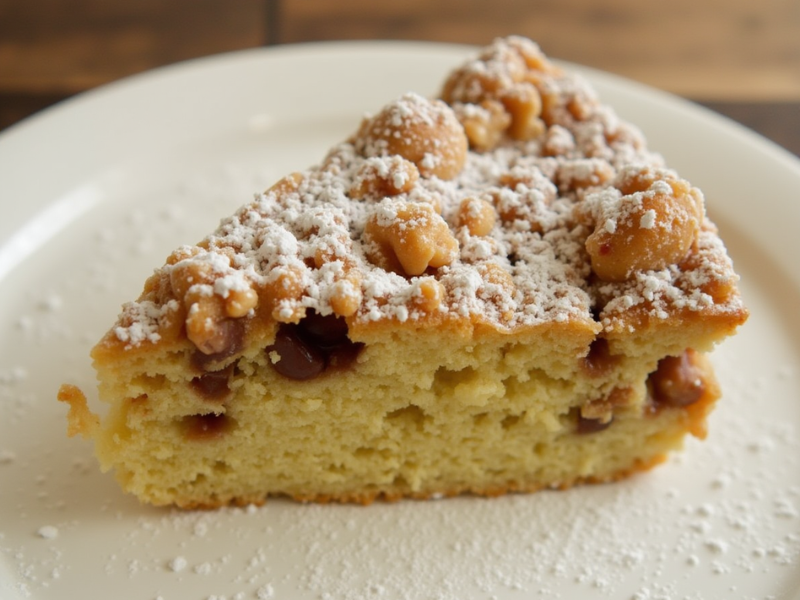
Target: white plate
97,191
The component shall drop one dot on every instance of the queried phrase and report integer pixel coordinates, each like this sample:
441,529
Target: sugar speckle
178,564
721,481
648,219
785,508
717,546
48,532
25,323
265,592
705,510
52,303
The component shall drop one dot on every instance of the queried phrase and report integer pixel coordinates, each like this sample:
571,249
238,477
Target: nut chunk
501,80
424,132
483,123
648,219
382,177
408,238
477,215
214,294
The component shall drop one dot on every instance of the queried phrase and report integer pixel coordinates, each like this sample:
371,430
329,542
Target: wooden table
738,57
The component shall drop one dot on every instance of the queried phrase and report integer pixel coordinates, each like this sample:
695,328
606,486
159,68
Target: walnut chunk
409,238
499,288
598,414
346,294
195,280
477,215
525,196
718,281
484,123
287,185
429,295
524,104
240,302
284,290
648,220
558,141
424,132
584,173
508,73
382,177
206,323
481,80
531,54
186,272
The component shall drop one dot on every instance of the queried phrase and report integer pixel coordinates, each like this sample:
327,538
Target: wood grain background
714,49
741,57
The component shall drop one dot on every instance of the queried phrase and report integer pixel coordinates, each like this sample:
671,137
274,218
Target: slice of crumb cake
499,290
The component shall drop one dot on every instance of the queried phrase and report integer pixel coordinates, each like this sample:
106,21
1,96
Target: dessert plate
97,191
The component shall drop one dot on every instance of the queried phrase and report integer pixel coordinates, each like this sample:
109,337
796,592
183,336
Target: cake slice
500,290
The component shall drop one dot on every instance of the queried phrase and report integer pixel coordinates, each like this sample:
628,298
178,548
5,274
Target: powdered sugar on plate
723,517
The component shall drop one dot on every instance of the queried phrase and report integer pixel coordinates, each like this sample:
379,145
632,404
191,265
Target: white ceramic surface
96,192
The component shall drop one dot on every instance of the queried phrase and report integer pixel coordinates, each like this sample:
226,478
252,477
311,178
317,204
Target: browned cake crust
499,290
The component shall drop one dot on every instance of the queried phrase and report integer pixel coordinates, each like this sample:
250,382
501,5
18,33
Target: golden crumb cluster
500,289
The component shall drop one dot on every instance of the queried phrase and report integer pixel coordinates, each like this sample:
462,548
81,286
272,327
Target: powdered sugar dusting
311,231
648,219
308,234
142,321
661,292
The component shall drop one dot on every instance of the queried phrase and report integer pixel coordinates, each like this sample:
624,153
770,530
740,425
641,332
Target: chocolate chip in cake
233,332
308,349
325,331
344,355
293,357
214,385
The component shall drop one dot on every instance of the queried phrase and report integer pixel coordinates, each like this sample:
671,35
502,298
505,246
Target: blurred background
739,57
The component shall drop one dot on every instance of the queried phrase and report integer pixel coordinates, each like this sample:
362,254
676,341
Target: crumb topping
520,199
139,321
